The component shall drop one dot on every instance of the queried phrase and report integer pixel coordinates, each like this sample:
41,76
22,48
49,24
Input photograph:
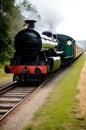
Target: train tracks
7,87
14,95
11,96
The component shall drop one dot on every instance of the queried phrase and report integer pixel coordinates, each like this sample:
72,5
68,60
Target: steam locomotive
40,55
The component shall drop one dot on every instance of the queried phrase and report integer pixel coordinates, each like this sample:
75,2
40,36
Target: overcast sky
64,16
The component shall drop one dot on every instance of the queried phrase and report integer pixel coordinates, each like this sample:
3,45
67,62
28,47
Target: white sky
67,16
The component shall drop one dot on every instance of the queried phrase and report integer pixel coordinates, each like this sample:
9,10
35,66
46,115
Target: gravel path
81,95
23,116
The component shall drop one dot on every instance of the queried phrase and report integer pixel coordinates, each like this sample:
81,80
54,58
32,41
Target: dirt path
23,116
81,95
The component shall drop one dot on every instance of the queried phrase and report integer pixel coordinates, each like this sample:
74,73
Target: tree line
11,21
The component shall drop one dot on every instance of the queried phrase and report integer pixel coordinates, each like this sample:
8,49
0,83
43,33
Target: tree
4,37
10,17
11,22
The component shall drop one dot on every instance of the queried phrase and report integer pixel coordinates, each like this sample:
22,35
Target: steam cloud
50,15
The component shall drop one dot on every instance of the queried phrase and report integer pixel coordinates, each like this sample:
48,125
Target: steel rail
7,87
27,96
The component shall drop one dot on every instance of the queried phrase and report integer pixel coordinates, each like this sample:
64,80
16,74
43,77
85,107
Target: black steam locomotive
38,56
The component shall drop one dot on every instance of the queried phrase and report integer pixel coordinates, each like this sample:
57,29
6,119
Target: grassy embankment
58,112
3,75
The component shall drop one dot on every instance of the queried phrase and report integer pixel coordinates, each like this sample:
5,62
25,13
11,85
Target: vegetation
11,22
58,111
7,25
4,76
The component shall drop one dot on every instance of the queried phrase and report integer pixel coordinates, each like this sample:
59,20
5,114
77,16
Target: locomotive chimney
31,24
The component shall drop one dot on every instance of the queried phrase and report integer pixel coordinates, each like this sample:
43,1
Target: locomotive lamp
29,24
37,71
69,42
26,25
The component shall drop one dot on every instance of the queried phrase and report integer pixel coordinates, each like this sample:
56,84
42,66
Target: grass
58,111
3,75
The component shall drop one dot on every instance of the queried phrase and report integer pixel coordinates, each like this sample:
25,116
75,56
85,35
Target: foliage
26,5
4,76
6,35
4,38
11,22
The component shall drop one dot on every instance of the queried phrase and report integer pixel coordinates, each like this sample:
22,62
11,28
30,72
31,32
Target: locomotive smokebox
28,41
